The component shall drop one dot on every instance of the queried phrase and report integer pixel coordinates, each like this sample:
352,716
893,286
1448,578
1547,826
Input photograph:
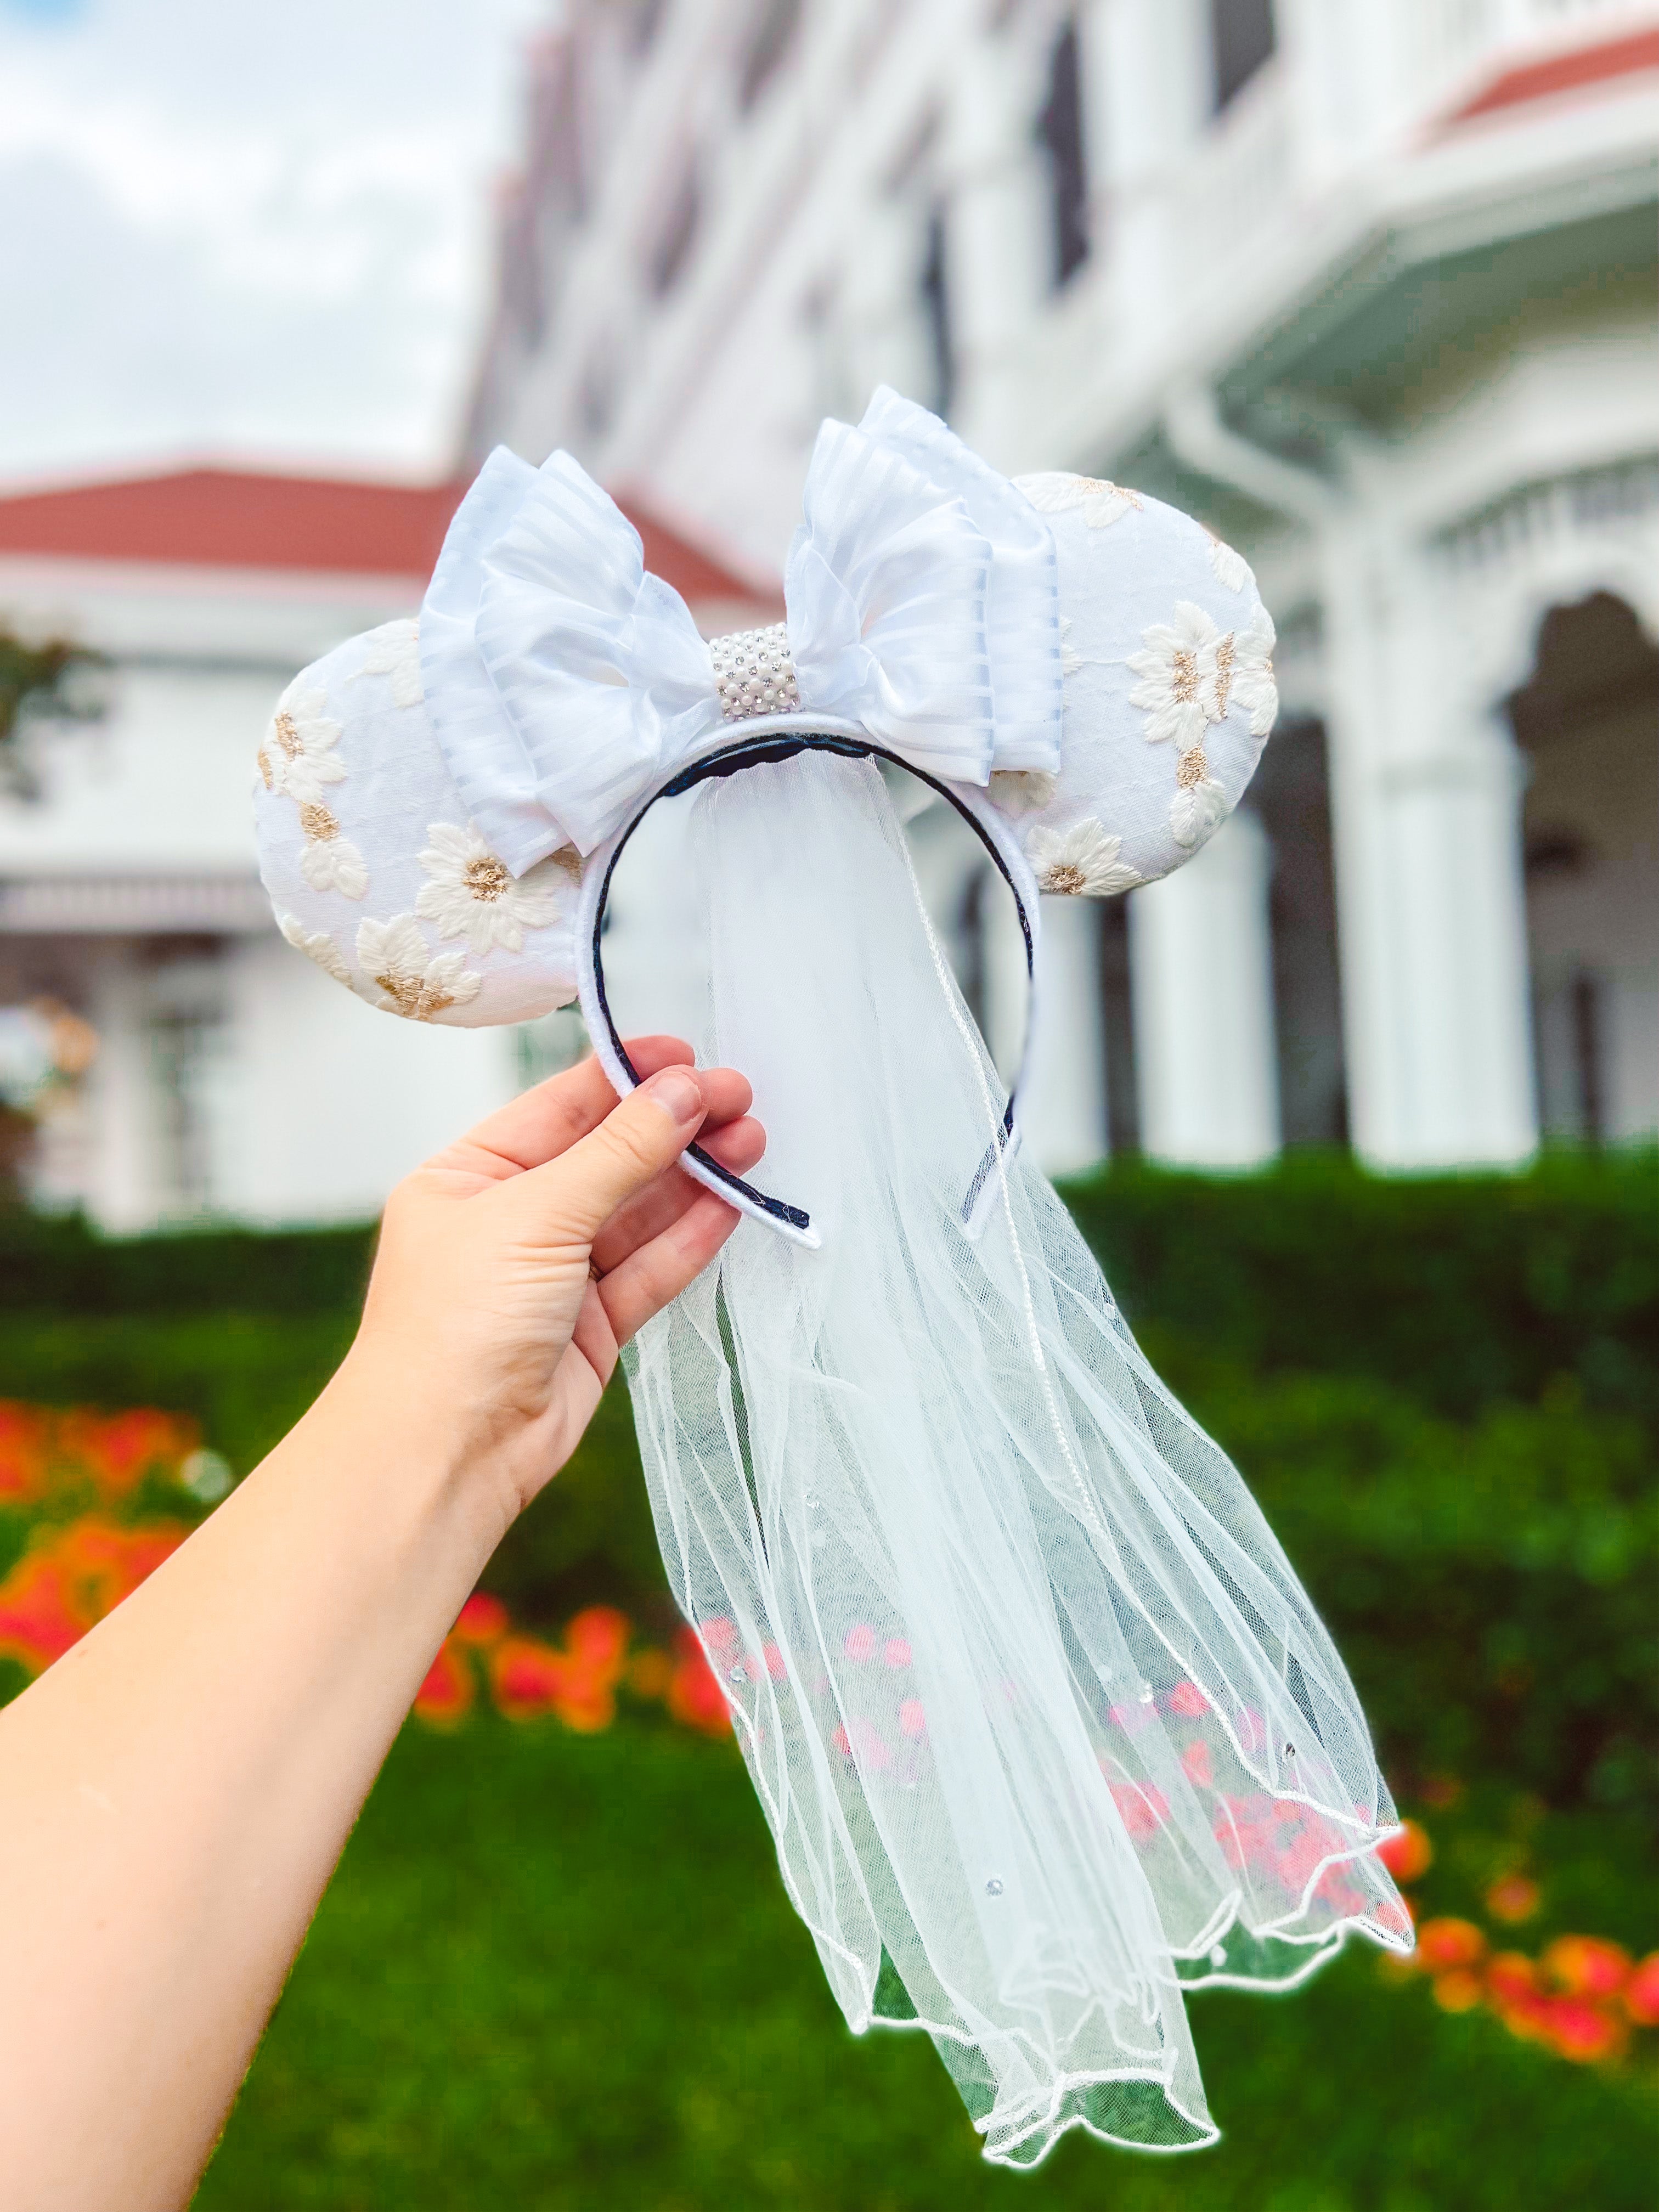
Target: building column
887,339
997,253
124,1194
1425,790
1200,968
1061,1105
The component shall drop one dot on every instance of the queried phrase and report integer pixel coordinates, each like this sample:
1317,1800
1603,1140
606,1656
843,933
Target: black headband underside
759,752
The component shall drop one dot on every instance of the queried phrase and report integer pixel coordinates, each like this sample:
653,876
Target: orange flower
448,1690
1513,1896
694,1698
1443,1945
1587,1965
1516,1994
117,1450
483,1619
24,1433
1408,1854
1642,1992
1458,1992
72,1579
597,1641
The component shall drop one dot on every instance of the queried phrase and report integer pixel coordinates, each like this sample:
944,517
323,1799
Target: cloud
261,232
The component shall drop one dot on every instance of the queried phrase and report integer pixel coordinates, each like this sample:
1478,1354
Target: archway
1587,721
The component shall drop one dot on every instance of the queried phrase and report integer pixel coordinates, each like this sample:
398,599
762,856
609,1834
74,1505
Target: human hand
515,1263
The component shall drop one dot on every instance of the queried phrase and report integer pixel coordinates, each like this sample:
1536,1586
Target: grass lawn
556,1972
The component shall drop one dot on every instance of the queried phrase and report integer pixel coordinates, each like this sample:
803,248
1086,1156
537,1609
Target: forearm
174,1793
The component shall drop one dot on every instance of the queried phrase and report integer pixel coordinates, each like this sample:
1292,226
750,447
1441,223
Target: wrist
441,1455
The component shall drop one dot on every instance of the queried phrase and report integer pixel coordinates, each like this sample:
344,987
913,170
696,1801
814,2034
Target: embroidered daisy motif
1079,862
1019,790
1053,492
1172,664
1239,673
1232,568
1200,802
471,894
298,752
569,861
330,862
316,945
412,982
394,650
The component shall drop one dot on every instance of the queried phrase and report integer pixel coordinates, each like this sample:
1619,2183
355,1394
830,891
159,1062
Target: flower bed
92,1503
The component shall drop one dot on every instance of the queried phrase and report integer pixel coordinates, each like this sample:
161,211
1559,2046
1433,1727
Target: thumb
575,1195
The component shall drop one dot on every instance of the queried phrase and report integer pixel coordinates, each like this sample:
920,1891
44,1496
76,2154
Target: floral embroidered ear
1169,690
374,869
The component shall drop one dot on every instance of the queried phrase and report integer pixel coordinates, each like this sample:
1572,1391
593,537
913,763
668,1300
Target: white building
1367,284
230,1077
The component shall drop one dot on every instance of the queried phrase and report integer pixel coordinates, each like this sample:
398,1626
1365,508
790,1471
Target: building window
936,310
675,240
769,40
1060,129
1241,39
186,1044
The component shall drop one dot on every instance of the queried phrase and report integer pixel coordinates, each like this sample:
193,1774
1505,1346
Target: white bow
564,682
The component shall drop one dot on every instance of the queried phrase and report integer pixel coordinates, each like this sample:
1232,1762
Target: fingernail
677,1092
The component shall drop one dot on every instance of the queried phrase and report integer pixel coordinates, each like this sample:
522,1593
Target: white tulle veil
1045,1728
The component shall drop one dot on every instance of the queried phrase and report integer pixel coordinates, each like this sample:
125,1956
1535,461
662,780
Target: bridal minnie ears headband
1046,1731
1082,672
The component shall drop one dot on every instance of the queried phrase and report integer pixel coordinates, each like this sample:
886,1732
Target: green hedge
1442,1391
1457,1290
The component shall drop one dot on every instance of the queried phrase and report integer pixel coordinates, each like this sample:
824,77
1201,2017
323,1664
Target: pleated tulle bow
565,682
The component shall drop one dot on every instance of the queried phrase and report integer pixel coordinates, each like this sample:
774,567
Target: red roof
215,518
1564,72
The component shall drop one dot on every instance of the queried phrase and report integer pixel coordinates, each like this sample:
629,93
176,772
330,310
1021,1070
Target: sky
248,231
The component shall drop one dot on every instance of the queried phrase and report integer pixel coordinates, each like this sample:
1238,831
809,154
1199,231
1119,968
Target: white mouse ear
373,867
1170,692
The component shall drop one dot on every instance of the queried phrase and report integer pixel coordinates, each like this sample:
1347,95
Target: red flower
860,1640
773,1661
1195,1760
527,1676
912,1719
1642,1992
1581,2031
1408,1854
483,1619
1587,1965
1141,1810
41,1611
448,1690
694,1698
1189,1700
